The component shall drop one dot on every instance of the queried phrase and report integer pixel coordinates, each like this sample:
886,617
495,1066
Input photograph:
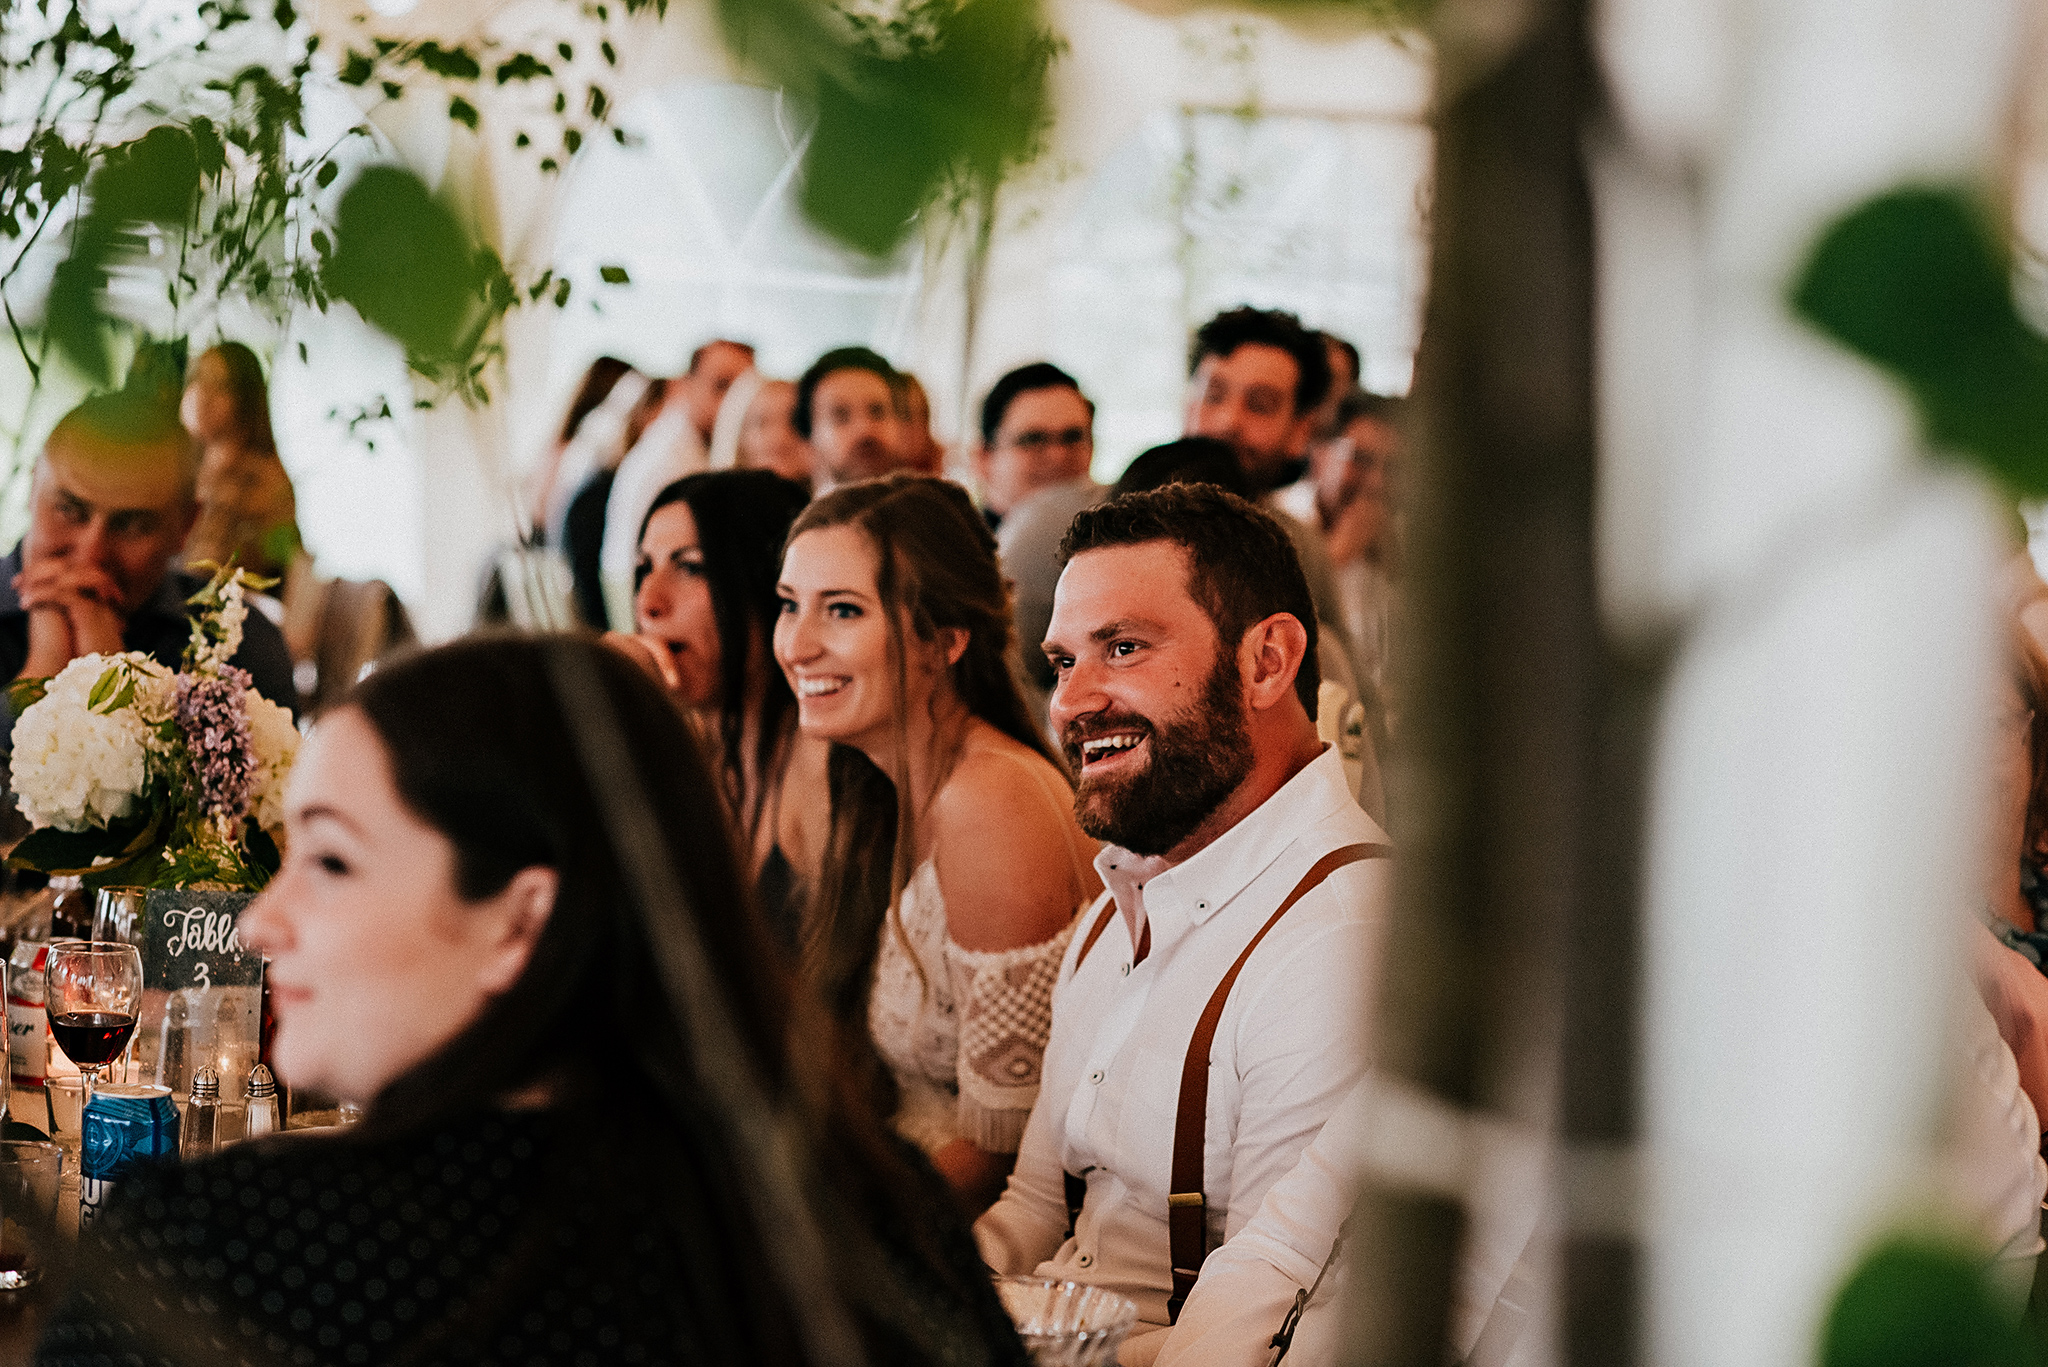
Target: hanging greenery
1920,282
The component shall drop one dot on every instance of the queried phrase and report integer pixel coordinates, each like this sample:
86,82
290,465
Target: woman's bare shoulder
1007,851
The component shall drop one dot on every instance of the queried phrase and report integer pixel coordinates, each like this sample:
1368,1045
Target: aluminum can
124,1124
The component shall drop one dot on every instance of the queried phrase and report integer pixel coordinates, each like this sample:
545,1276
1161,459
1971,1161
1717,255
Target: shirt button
1086,1260
1095,1076
1125,970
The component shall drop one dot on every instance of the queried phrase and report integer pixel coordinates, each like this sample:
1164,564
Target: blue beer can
123,1124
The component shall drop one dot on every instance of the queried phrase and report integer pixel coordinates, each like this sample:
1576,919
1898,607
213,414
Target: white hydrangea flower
276,742
75,768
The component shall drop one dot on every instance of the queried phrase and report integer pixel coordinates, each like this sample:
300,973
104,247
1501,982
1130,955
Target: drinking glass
29,1173
93,992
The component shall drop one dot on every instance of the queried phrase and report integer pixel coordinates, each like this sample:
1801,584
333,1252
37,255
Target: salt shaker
262,1094
202,1115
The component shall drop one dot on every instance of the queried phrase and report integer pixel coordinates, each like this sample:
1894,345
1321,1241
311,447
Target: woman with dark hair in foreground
476,939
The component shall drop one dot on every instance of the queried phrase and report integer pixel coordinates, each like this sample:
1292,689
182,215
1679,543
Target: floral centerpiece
136,776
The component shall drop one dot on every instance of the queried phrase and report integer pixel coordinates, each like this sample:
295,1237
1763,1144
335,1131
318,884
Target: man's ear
954,639
518,915
1269,658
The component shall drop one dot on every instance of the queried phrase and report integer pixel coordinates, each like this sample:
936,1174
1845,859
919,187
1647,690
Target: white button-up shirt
1289,1046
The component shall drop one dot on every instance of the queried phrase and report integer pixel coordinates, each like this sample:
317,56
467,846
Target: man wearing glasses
1037,439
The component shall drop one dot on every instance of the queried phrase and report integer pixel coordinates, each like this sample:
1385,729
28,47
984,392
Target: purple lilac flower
215,722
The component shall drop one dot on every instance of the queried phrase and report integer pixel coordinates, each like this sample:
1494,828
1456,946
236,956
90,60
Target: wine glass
92,994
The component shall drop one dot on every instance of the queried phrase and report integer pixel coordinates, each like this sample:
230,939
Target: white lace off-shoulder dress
966,1038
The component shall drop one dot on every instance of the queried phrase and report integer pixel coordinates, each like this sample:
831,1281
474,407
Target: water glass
29,1174
66,1094
1067,1324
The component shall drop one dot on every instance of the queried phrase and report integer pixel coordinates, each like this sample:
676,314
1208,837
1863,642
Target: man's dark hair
1241,564
1362,403
1022,380
833,361
1190,460
697,356
1222,335
1350,354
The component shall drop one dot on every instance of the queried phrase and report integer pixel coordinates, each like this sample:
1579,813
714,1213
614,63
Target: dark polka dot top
488,1240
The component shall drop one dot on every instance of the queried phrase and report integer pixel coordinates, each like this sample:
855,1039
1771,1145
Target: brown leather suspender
1187,1225
1095,931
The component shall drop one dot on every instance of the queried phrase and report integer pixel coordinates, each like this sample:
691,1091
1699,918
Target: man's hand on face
73,608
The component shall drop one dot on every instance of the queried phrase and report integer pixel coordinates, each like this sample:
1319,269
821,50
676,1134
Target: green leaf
285,15
103,688
568,53
522,66
599,102
453,62
463,112
572,141
1917,281
613,275
561,294
23,694
393,90
324,177
357,69
1915,1303
208,151
610,55
522,141
402,261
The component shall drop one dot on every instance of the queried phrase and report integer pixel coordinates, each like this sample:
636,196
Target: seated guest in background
246,511
1349,496
846,410
754,430
922,452
1256,377
954,866
674,443
1185,647
705,608
1037,433
1344,373
110,507
1037,440
1190,460
2008,953
544,1167
583,519
591,438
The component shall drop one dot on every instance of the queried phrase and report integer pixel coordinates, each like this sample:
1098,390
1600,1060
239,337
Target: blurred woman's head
505,861
453,922
710,548
225,400
768,436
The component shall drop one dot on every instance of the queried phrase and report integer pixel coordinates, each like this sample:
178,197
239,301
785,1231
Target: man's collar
1212,876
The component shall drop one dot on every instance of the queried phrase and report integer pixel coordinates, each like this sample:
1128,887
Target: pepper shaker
202,1116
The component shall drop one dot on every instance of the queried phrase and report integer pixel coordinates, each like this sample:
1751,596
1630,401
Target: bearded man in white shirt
1246,891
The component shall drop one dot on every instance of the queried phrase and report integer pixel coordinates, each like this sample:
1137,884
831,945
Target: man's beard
1198,758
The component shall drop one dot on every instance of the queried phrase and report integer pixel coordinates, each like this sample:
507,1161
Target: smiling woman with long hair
586,1135
953,867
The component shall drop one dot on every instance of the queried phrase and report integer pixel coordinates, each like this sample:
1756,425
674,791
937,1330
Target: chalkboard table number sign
190,940
202,992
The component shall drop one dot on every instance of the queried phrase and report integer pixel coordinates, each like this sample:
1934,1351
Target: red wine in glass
92,1039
